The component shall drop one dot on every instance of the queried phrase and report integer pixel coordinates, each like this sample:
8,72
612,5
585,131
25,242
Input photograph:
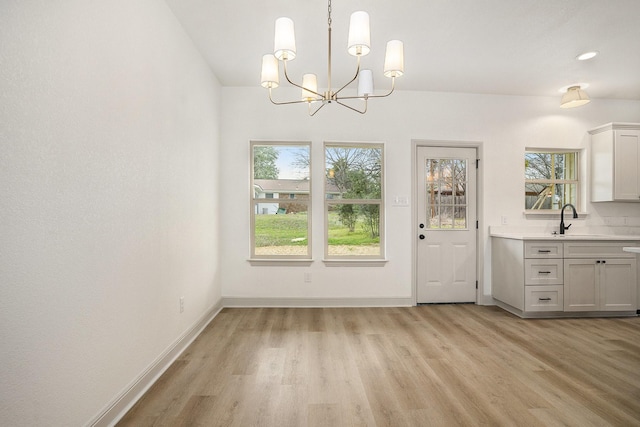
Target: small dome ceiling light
575,96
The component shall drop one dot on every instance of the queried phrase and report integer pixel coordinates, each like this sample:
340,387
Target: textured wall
108,200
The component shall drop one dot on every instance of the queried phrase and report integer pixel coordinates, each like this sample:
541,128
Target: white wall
505,125
109,142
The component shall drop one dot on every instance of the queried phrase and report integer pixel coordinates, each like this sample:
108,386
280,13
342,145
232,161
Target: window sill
268,262
552,214
355,262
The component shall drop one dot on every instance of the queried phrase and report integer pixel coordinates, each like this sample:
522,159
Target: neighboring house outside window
354,194
551,179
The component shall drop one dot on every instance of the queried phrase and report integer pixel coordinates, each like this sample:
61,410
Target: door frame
481,299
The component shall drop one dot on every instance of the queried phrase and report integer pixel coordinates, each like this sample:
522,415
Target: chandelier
358,46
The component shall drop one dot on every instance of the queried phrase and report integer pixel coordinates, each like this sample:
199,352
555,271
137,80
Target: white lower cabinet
552,279
600,284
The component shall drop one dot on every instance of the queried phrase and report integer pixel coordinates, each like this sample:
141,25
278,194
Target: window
551,179
281,200
354,223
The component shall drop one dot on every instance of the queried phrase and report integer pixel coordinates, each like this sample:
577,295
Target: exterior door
446,249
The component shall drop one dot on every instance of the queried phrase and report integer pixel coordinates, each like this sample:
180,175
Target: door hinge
477,163
477,226
476,284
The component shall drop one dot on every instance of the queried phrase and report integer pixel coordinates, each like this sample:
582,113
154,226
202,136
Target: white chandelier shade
270,77
358,45
394,59
310,88
284,45
365,83
359,35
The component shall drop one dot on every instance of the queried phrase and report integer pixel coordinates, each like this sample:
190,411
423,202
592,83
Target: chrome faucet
575,215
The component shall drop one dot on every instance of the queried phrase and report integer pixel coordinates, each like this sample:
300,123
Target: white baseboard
117,408
317,302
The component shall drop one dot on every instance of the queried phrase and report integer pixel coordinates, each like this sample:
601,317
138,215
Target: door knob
421,226
421,236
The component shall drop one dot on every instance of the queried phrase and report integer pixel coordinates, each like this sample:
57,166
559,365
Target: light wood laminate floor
417,366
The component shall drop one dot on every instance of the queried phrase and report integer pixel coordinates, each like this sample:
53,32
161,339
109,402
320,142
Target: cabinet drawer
542,250
598,249
543,298
543,272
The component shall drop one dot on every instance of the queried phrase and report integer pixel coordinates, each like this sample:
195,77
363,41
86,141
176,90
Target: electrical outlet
307,277
181,304
504,220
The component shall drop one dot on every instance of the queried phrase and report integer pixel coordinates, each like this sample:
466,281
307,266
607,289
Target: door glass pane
446,198
460,217
446,217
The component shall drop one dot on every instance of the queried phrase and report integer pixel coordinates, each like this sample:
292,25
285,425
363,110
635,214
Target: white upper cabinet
615,162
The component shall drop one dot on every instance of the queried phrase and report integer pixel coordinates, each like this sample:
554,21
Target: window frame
578,181
331,201
283,198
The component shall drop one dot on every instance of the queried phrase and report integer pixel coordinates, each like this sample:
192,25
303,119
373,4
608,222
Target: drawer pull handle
544,299
544,272
545,251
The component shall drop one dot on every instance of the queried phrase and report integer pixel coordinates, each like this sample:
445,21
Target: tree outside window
353,200
551,179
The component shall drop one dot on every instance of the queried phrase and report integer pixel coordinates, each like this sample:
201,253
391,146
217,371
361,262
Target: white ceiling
508,47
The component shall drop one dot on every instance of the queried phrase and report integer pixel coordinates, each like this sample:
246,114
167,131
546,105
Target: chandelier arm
354,109
317,109
286,75
393,86
350,81
285,102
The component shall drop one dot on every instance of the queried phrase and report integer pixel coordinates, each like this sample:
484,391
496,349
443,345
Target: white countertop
563,237
635,250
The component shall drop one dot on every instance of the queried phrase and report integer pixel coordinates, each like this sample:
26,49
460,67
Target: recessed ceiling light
587,55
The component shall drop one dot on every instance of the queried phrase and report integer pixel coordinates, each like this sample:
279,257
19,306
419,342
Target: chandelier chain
329,19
